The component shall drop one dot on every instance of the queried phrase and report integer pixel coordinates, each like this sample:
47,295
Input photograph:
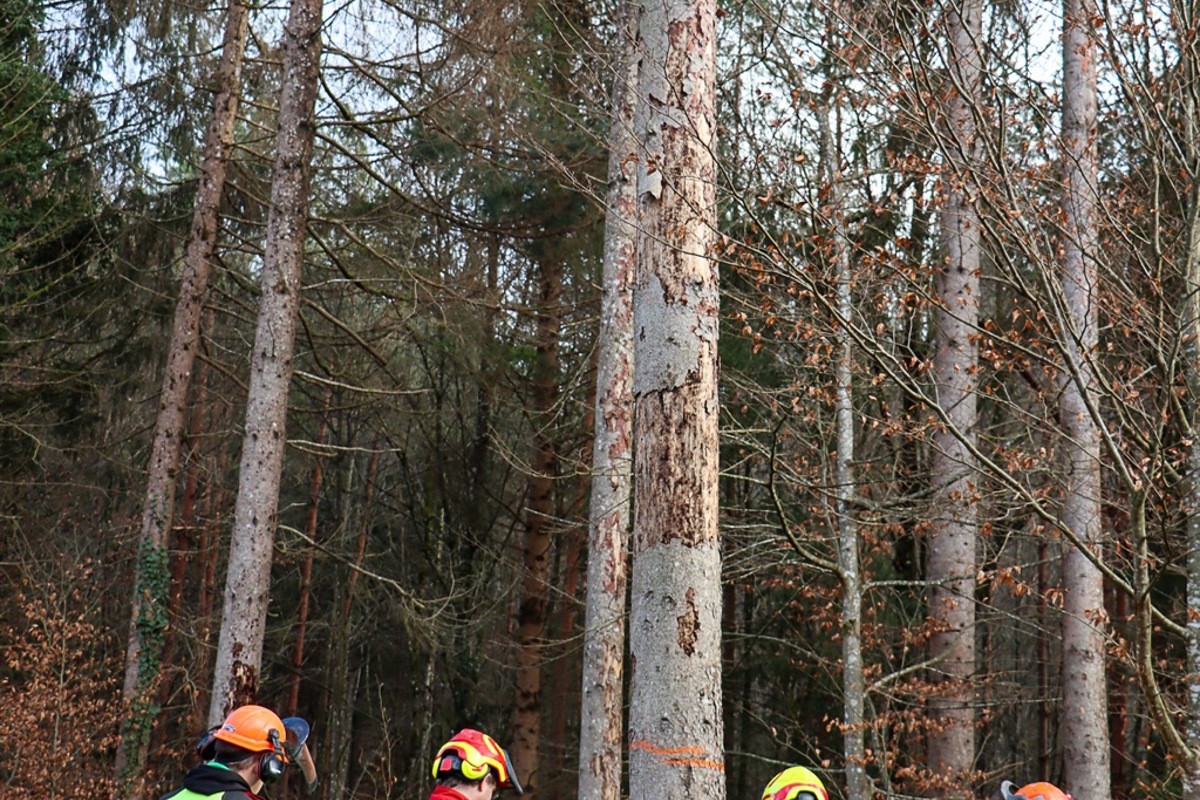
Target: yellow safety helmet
795,783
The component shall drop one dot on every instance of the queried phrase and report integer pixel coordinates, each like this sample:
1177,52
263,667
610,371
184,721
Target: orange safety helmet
795,783
1039,790
1043,791
256,729
470,754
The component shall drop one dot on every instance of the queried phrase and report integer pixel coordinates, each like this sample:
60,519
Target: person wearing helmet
252,747
795,783
1039,790
471,766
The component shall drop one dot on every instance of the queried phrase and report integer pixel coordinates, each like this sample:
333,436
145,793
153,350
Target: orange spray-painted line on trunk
694,762
672,755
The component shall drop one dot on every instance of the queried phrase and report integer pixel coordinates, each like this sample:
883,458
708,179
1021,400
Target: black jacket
212,782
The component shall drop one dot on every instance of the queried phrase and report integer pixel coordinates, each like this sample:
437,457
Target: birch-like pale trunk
675,715
601,715
1191,317
952,561
1185,745
1086,745
853,681
247,584
148,613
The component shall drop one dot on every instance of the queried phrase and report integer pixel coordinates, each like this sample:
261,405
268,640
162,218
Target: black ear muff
272,765
271,768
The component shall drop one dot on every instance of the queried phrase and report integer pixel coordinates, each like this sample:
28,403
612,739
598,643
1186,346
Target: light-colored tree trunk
148,615
952,562
1086,745
1186,14
539,520
247,584
853,681
601,717
676,744
1191,317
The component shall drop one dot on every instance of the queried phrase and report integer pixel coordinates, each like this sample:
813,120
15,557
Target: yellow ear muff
472,772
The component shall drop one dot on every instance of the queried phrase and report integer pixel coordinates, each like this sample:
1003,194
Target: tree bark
305,591
247,585
853,679
1086,759
601,720
1186,14
148,617
952,561
675,717
539,516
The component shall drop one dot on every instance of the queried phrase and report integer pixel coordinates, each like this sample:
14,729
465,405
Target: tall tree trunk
1086,759
952,562
601,716
346,678
1186,15
539,517
185,541
247,585
210,550
148,618
310,530
676,746
853,679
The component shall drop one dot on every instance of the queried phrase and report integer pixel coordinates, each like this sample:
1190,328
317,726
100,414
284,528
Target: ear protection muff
452,762
273,764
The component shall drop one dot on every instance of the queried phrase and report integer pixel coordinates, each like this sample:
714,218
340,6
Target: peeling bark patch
243,686
689,625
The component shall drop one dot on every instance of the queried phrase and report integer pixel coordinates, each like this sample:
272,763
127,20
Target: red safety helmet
795,783
470,754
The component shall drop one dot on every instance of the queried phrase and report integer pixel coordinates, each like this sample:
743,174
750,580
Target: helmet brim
512,781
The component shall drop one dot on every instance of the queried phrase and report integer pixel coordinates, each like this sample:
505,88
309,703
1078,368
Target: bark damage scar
243,682
689,624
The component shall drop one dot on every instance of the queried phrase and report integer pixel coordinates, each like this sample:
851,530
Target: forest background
959,258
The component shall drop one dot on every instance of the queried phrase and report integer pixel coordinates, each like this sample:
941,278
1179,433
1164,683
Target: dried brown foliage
59,694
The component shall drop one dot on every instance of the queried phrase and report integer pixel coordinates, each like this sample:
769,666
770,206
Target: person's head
251,742
795,783
1039,790
474,765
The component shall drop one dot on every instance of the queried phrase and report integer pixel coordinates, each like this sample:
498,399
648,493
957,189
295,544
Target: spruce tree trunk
952,561
148,616
676,745
306,565
247,585
1086,759
601,718
539,517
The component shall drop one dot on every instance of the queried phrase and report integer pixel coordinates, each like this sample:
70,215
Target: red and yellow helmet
254,728
795,783
470,754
